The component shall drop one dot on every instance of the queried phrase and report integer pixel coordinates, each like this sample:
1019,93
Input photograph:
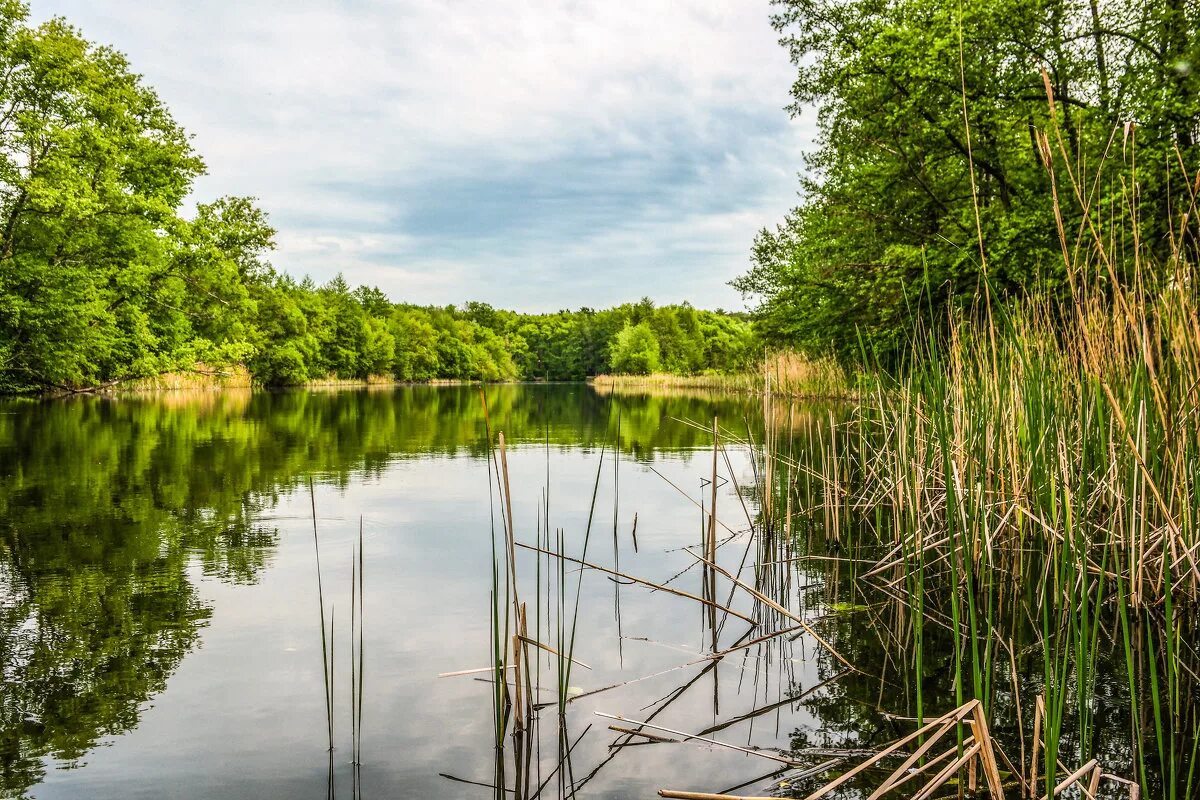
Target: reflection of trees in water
874,707
81,652
105,502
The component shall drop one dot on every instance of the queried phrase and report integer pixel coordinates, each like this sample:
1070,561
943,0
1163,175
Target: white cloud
455,149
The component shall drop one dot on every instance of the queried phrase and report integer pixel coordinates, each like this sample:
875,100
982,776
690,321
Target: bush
635,351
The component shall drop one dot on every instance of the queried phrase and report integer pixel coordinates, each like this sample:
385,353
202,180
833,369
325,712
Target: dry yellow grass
783,372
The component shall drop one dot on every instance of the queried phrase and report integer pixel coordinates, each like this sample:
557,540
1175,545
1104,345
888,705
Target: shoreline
784,373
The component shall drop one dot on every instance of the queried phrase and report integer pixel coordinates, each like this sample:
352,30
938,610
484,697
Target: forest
986,514
104,278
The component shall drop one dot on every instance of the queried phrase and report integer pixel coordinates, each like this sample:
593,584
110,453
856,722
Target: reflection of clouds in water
165,499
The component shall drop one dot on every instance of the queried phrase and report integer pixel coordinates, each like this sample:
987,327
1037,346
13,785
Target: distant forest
958,144
102,279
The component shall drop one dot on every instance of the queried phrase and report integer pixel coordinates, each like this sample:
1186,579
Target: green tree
415,339
902,187
344,330
216,262
285,350
373,301
92,168
102,279
635,350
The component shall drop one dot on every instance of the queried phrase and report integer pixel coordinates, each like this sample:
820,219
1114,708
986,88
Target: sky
532,154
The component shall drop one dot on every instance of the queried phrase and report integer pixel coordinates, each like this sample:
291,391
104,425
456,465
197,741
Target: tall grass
516,674
783,371
1033,480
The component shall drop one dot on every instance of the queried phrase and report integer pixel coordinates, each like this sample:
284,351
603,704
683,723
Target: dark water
159,628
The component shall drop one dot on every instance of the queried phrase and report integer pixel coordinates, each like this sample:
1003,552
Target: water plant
1030,478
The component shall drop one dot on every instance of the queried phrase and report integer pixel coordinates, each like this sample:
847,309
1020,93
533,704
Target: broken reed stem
1072,778
535,643
707,796
654,737
946,721
762,598
509,534
691,737
642,581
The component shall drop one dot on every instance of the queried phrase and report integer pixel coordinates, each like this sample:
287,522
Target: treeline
103,279
956,140
304,332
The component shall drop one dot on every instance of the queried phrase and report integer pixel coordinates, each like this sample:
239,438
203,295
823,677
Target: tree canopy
928,190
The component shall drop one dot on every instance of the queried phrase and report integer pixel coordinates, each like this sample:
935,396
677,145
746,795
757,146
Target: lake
161,629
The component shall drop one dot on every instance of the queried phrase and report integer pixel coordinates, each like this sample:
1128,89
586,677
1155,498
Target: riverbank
203,378
785,372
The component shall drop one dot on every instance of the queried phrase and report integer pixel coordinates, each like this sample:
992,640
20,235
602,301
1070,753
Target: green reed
516,710
1032,479
326,651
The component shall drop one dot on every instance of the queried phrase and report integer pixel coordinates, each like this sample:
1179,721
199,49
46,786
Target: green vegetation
1033,491
103,280
783,372
931,191
1000,230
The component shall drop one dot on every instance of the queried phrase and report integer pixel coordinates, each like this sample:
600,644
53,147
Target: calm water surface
159,621
159,631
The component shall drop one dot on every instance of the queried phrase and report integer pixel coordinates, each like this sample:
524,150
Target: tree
103,279
345,333
415,345
373,301
92,168
215,262
903,191
285,348
635,350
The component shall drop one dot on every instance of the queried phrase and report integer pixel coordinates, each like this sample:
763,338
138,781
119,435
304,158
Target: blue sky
533,154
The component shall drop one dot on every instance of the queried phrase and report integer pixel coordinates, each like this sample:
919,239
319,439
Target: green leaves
887,238
635,351
102,279
91,171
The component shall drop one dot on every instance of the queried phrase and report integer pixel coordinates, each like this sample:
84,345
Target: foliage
928,192
92,168
635,351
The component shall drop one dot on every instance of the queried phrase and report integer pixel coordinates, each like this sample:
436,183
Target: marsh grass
761,603
784,372
1026,490
1032,481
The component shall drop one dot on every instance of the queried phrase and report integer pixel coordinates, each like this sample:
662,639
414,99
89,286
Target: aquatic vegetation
836,579
1031,481
783,371
1015,518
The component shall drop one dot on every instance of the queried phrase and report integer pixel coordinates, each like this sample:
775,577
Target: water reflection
167,540
110,506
